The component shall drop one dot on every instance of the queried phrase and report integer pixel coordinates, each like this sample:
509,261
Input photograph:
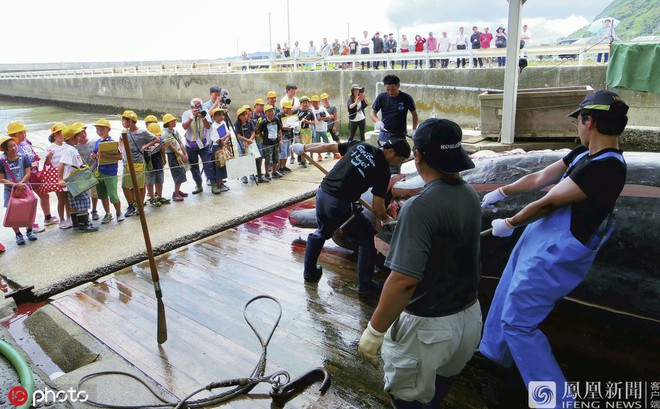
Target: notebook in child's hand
109,148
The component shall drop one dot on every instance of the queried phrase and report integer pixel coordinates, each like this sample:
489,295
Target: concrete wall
159,94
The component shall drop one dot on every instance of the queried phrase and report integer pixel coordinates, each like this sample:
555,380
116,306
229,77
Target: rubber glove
379,125
412,133
493,197
298,149
370,343
502,228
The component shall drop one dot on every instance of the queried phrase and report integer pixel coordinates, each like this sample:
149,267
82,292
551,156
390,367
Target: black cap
601,100
400,146
215,88
439,140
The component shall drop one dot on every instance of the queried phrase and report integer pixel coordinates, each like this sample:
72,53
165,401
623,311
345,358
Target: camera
200,110
224,97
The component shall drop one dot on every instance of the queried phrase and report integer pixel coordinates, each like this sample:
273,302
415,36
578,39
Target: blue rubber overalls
546,264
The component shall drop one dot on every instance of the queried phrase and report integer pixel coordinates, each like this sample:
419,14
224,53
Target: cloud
422,12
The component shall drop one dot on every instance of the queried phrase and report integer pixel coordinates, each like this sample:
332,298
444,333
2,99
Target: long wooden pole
162,324
325,172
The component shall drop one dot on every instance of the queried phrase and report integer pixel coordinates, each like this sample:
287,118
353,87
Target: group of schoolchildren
271,126
274,127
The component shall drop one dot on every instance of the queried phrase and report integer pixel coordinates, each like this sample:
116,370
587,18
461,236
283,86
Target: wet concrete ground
62,259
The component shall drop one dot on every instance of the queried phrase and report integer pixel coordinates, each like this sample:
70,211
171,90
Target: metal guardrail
322,63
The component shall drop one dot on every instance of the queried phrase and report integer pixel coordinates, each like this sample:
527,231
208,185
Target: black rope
241,385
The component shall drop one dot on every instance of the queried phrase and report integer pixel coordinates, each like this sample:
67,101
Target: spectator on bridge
525,37
365,43
444,46
475,43
404,47
419,47
484,40
431,48
379,47
296,55
500,42
462,43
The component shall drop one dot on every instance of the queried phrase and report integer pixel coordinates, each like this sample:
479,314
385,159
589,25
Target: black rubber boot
84,225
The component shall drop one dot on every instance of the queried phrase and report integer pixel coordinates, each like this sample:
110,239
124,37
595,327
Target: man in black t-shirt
361,167
568,226
429,304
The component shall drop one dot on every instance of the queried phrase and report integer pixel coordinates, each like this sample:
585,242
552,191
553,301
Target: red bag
48,180
21,209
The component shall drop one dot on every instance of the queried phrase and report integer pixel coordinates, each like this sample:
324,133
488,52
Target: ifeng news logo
542,395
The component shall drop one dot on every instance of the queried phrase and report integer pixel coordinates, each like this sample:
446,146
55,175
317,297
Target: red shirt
419,44
485,39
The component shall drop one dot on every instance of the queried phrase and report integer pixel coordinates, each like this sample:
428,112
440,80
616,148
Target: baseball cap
304,98
240,111
271,94
601,100
439,140
325,95
287,104
268,107
217,110
400,146
259,102
315,98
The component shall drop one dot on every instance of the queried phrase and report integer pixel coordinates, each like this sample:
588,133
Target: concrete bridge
160,92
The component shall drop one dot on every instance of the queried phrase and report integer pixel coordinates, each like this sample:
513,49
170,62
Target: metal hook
281,394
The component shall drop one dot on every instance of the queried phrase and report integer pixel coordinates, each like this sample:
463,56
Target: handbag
220,157
48,180
21,209
81,180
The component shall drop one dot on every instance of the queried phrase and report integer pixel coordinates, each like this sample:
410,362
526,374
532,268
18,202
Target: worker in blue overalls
566,228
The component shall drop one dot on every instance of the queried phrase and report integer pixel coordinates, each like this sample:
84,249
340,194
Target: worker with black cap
568,226
428,319
361,167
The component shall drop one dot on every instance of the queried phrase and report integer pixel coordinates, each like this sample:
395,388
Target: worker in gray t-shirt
428,316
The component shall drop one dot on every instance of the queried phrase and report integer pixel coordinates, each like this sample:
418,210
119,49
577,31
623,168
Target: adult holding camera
197,125
357,102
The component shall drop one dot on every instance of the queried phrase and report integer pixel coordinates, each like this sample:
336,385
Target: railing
322,63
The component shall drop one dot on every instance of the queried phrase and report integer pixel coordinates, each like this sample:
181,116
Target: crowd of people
209,139
389,43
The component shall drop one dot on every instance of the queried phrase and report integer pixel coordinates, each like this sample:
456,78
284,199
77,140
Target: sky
148,30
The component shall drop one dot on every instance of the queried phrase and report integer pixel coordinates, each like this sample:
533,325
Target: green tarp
635,67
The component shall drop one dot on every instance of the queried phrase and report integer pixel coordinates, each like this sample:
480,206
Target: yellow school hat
150,118
168,118
15,127
155,129
103,122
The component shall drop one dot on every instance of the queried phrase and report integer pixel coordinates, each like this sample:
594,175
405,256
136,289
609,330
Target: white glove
298,149
412,133
502,228
379,125
370,343
493,197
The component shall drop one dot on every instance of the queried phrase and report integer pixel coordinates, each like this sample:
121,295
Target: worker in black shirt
361,167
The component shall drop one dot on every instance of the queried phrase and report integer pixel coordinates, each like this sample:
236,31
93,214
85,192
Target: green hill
638,18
